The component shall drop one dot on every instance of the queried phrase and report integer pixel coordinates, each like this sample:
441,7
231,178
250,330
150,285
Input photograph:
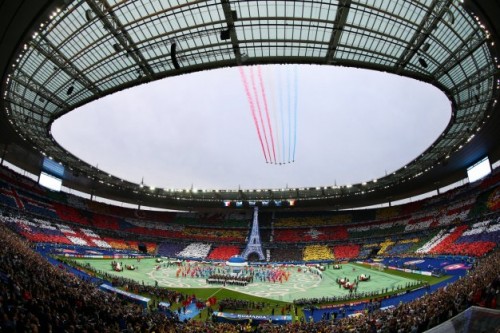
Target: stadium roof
59,55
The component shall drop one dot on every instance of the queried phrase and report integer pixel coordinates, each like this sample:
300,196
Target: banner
226,317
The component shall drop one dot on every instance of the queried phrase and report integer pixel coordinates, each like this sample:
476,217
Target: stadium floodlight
89,15
70,90
422,62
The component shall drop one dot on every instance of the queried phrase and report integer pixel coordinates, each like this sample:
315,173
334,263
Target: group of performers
229,280
118,266
352,286
250,274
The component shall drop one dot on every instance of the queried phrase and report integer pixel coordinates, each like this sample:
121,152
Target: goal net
378,266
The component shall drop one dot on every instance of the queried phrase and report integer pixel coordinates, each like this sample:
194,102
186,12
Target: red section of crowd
224,252
346,251
311,234
445,244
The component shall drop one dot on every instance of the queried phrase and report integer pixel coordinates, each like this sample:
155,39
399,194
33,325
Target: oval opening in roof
272,126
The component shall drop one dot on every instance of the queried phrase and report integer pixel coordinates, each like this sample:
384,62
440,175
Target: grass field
273,295
300,284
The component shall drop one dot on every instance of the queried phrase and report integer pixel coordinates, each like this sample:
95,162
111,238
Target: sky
335,125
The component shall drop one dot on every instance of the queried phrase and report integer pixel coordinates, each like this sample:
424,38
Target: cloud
198,130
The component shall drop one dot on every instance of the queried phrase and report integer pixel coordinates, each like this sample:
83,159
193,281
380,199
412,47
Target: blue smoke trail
289,115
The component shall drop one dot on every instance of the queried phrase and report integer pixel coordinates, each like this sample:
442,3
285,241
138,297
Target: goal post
378,266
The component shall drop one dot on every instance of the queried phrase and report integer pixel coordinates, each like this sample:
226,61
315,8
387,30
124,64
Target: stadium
308,259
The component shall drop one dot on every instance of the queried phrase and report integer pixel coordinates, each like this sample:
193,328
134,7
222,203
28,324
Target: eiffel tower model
253,244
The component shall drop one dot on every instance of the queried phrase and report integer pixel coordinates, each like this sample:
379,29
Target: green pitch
300,284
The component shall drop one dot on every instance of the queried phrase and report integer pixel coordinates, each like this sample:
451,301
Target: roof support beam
228,14
484,73
466,118
28,82
468,47
51,52
436,11
111,23
338,27
28,107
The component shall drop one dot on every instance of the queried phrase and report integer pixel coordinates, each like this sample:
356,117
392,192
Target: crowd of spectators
224,252
317,252
286,254
195,250
240,304
38,297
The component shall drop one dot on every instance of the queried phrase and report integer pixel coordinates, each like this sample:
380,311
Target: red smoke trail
259,72
256,94
252,108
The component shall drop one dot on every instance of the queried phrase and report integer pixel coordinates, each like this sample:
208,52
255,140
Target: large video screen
479,170
50,182
52,168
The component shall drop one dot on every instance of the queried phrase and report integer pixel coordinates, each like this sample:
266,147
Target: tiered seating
483,203
265,235
310,234
224,252
38,231
444,245
7,197
481,238
430,244
492,180
493,202
378,229
116,243
173,231
391,230
84,237
286,255
455,213
317,252
402,247
151,247
387,213
477,249
167,249
367,249
94,238
384,245
421,225
215,234
40,208
70,214
15,179
313,220
134,245
346,251
482,231
73,236
41,231
234,220
410,208
195,250
105,222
